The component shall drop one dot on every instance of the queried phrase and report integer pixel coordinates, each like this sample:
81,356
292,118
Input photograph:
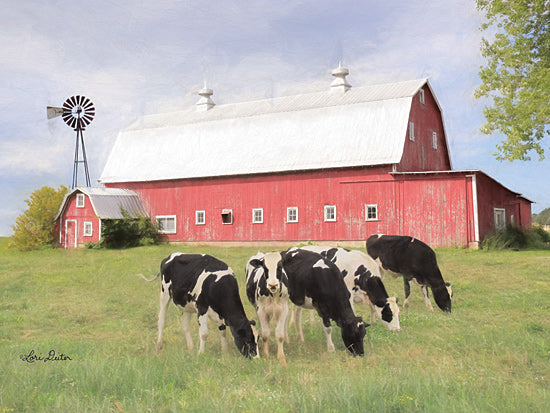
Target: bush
512,238
35,227
128,232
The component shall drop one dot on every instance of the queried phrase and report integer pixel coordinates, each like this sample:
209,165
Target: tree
517,75
542,218
35,227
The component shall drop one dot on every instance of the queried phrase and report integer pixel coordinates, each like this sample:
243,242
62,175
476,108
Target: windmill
77,112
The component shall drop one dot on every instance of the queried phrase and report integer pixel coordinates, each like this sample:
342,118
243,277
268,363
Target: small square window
434,140
421,96
292,214
371,212
166,224
500,219
80,200
258,216
411,131
88,229
200,217
227,216
330,213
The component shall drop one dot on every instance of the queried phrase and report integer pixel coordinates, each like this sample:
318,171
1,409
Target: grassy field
491,354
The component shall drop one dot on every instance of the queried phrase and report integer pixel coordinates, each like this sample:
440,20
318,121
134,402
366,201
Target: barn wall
437,208
79,215
419,155
493,195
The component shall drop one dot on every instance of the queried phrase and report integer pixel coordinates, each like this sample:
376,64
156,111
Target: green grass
491,354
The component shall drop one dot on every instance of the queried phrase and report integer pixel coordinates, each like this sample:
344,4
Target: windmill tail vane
77,112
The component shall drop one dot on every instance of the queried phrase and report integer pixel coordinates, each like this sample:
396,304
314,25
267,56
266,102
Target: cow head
389,314
353,334
442,296
246,339
275,276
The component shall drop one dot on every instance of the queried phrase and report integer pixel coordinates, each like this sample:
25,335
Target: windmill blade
54,112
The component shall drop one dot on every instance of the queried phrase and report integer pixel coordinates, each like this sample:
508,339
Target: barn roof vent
340,84
205,103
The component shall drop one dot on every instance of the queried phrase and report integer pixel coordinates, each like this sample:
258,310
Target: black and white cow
362,277
414,260
267,291
314,282
205,285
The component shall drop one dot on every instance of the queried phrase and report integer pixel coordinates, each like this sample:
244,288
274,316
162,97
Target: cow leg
265,331
203,331
407,285
186,324
164,301
328,332
427,297
298,321
281,331
373,312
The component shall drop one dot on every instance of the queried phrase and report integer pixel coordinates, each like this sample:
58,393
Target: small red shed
336,165
79,217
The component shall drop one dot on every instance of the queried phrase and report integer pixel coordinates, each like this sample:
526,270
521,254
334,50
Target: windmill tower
77,112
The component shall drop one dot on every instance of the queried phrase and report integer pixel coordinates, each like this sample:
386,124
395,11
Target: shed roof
362,127
109,202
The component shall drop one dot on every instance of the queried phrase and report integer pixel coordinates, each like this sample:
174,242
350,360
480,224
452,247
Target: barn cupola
205,103
340,85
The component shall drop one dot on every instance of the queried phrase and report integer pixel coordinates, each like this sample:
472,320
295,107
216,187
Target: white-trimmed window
421,96
411,131
292,214
88,229
371,212
434,140
330,213
257,215
500,218
80,200
200,217
227,216
166,224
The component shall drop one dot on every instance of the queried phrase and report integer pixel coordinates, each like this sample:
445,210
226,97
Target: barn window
200,218
421,96
434,140
80,200
292,214
227,216
500,219
411,131
371,212
166,224
88,229
330,213
258,216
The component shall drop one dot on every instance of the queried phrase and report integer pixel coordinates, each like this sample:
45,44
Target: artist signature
52,356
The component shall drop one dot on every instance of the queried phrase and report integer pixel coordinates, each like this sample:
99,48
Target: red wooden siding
436,208
71,224
419,155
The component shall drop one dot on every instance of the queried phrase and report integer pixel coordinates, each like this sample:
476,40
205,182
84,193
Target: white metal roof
108,202
362,127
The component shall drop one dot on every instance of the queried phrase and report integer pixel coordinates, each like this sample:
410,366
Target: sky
135,57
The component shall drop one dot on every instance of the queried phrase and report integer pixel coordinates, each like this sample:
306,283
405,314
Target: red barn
337,165
79,217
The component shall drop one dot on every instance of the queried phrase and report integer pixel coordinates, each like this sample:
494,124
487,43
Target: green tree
35,227
516,77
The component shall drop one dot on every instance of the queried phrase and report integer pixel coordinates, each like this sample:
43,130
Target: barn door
70,233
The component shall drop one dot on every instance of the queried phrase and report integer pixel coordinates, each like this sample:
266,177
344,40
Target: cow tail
146,279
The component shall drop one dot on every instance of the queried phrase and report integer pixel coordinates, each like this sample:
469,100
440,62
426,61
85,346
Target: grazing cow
267,291
205,285
414,260
362,277
314,282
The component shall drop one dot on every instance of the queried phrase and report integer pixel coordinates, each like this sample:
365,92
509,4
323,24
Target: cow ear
256,263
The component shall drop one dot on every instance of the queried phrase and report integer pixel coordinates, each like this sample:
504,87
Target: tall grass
491,354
